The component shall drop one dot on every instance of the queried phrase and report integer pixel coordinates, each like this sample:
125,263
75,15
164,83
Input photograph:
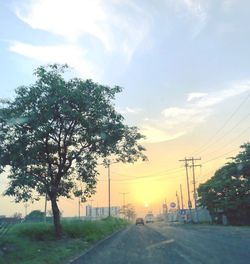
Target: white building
102,212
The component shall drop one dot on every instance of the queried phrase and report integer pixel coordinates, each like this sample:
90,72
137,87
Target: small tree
128,211
35,215
54,132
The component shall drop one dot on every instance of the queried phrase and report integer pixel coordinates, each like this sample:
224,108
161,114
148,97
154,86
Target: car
139,221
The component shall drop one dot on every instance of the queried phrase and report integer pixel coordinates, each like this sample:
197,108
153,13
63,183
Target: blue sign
183,212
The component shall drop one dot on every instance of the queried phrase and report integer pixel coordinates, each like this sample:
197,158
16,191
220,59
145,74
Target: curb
98,243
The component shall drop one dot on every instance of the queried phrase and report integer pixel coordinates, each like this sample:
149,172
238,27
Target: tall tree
229,189
53,133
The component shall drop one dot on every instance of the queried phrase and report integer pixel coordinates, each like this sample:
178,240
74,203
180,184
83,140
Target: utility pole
91,200
109,186
123,194
107,164
194,184
45,208
26,206
188,189
178,201
182,207
79,208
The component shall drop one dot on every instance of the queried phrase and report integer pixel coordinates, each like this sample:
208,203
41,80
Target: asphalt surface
160,243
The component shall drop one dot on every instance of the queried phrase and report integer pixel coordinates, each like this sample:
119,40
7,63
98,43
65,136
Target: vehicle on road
139,221
149,218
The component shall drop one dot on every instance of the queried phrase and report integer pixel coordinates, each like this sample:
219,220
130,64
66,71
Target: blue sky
184,64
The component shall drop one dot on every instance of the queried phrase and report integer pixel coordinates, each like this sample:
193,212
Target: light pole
45,207
108,163
91,208
26,206
182,206
79,207
123,194
109,187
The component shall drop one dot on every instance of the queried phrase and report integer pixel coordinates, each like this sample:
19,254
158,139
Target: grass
34,243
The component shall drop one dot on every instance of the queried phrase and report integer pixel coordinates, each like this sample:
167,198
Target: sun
146,204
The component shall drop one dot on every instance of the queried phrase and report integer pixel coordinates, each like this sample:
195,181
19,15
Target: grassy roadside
35,243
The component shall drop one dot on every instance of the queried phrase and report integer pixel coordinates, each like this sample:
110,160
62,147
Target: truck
149,218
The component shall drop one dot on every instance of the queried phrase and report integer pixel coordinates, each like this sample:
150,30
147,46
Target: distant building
102,212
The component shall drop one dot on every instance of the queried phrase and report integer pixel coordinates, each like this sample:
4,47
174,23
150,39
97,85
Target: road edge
92,247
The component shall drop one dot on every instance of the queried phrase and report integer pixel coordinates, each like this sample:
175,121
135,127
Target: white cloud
175,115
196,6
71,54
129,110
177,121
228,4
193,12
193,96
155,135
217,97
76,21
70,19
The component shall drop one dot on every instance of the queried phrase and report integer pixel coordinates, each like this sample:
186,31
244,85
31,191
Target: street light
124,193
91,200
107,164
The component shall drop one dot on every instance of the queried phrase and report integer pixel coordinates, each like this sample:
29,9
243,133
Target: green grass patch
92,230
34,243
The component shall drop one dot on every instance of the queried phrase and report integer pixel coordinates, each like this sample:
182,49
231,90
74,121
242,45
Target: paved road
161,243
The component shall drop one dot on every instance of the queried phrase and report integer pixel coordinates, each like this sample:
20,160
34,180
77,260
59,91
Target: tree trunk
56,218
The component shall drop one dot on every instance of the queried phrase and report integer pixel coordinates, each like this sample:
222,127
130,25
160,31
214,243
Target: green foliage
228,189
18,250
34,231
36,243
55,130
128,211
93,230
35,215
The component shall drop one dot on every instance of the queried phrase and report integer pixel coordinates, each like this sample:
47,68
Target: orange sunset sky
184,69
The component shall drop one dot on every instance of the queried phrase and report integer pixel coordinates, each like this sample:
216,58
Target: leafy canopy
55,131
229,188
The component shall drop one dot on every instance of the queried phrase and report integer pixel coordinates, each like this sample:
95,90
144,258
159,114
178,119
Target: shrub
34,231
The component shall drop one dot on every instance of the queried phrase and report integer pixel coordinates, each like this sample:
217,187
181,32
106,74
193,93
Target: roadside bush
92,230
34,231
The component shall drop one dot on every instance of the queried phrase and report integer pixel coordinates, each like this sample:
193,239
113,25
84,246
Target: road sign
183,212
172,205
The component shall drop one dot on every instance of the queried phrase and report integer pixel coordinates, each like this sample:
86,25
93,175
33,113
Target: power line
156,178
218,157
154,174
232,140
222,127
228,132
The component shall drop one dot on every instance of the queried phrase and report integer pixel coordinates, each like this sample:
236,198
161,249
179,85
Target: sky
184,69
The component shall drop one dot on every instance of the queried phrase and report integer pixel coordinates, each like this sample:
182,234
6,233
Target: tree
128,211
35,215
229,189
55,131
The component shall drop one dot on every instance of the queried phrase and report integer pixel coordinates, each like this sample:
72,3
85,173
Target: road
161,243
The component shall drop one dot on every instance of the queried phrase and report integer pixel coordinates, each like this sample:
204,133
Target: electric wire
198,150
